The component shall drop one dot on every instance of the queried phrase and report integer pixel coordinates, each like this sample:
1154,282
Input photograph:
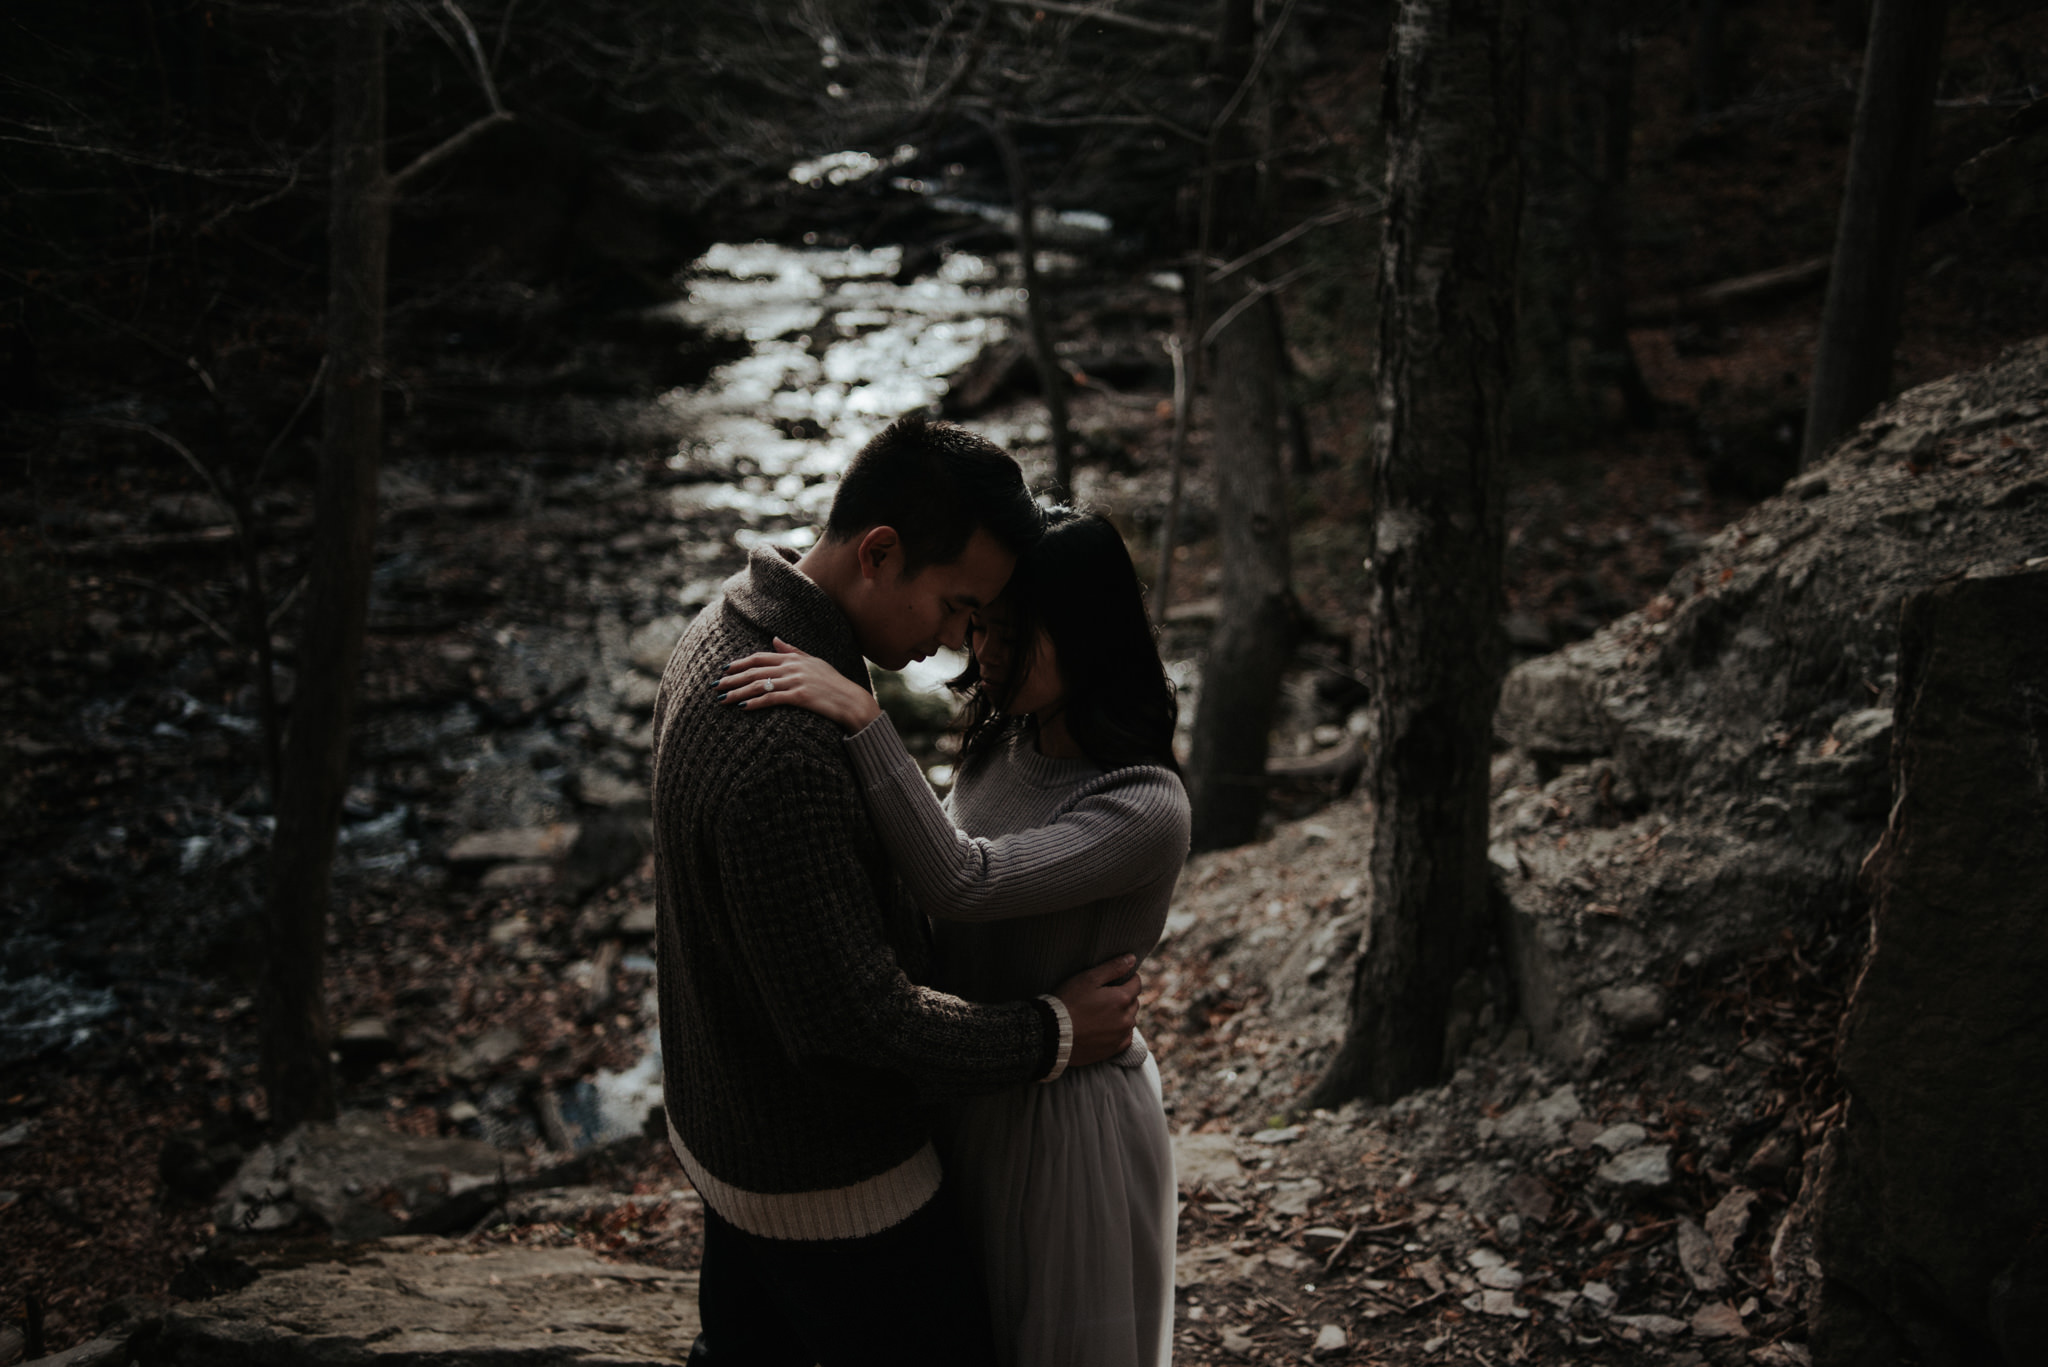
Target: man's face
898,618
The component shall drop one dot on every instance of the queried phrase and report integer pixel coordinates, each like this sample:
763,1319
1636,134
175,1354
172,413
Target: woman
1058,849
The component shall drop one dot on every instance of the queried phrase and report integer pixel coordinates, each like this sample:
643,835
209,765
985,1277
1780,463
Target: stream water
838,349
835,347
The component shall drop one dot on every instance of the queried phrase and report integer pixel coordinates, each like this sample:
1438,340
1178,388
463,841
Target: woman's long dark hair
1078,586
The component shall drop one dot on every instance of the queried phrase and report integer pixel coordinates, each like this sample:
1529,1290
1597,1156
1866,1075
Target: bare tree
297,1073
1254,625
1607,242
1052,376
1575,351
1447,337
1710,57
1852,366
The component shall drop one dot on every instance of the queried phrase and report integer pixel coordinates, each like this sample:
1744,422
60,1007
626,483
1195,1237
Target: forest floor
1398,1225
134,833
482,1000
1495,1218
508,586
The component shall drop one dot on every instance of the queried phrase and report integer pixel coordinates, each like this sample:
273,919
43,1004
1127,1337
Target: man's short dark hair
935,483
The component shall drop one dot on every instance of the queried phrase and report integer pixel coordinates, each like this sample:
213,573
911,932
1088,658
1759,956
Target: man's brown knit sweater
797,1045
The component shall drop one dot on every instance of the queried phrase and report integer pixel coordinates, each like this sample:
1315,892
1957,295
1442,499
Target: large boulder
362,1181
1935,1198
1709,771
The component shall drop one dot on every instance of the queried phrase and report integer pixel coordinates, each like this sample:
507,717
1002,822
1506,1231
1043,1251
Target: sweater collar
776,597
1037,770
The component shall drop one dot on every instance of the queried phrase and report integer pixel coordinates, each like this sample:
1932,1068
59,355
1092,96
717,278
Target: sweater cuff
1066,1037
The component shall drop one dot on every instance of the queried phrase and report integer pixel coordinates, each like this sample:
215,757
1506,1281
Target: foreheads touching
934,483
934,518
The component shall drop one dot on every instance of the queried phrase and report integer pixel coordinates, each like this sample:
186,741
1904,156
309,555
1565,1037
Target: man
798,1049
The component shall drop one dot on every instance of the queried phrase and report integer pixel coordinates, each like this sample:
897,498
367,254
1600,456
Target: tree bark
1301,450
1553,405
1052,376
1575,356
1710,57
297,1071
1176,476
1254,627
1607,244
1447,340
1852,367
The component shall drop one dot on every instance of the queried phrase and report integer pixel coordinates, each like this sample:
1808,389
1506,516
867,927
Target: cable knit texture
1069,866
798,1046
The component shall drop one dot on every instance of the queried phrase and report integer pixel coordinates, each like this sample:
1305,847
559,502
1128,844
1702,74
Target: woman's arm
1127,834
1130,832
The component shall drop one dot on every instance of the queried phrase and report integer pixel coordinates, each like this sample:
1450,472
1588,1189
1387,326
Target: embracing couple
897,1035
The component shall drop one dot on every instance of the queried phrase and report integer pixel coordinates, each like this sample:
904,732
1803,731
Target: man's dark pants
910,1296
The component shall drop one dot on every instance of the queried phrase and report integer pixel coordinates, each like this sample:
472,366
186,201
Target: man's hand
1103,1004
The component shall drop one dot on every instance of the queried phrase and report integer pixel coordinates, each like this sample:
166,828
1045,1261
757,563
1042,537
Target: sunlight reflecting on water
623,1099
837,350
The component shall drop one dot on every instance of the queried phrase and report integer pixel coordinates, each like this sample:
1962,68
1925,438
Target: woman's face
1041,686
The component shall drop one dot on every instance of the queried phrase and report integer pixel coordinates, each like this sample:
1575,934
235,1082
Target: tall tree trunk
1447,337
1052,376
1852,21
1254,625
1176,474
1553,405
1301,448
1852,366
1607,243
297,1072
1710,57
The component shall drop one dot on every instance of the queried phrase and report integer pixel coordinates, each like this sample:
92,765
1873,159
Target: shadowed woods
1547,673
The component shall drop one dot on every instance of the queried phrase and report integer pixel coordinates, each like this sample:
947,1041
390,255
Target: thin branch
55,140
1094,121
1169,125
198,613
1307,225
184,453
1110,17
977,48
284,604
426,16
252,205
126,329
448,147
1176,464
1251,296
931,44
205,378
1051,374
1251,76
305,402
476,50
504,32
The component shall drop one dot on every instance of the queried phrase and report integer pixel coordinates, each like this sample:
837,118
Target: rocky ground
1626,1184
1614,1171
1644,1209
488,966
